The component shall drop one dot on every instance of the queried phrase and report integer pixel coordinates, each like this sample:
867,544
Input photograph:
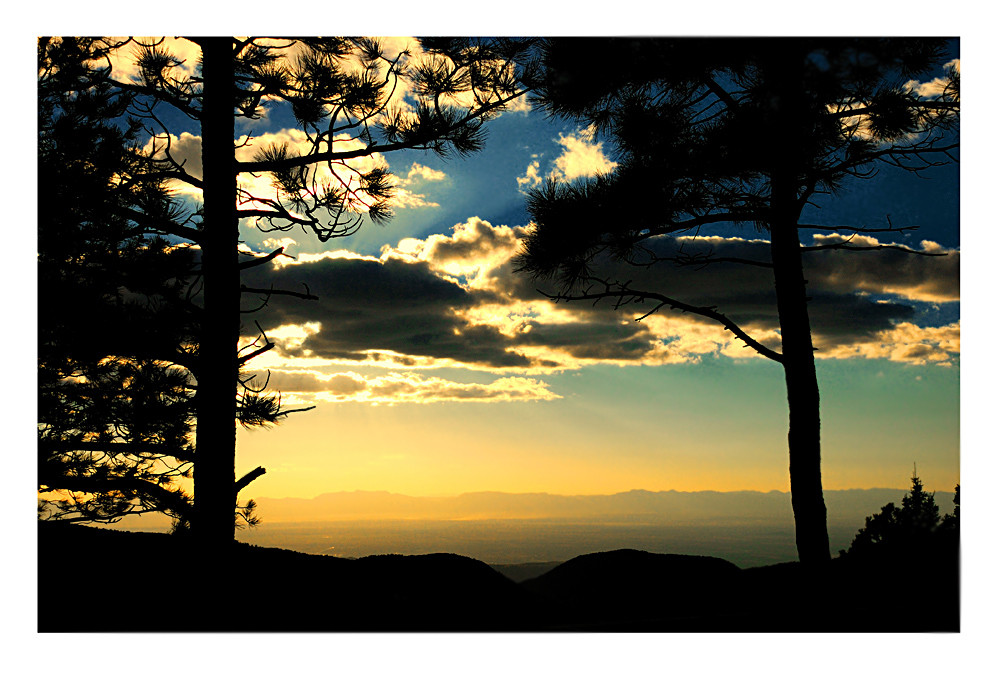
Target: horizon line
580,495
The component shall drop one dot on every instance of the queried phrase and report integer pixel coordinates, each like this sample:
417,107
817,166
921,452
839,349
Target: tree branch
628,295
174,501
328,156
698,221
723,95
272,291
703,261
131,448
246,358
855,229
928,105
174,172
699,259
164,226
160,94
243,481
285,413
268,345
280,251
895,154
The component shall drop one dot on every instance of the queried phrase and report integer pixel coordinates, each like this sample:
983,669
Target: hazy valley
748,528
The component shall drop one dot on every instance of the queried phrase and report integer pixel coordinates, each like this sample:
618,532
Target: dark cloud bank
413,308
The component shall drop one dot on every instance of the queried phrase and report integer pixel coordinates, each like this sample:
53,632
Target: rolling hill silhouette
627,584
101,580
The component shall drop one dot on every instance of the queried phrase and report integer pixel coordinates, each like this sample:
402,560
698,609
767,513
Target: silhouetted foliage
351,98
115,414
950,522
915,529
739,132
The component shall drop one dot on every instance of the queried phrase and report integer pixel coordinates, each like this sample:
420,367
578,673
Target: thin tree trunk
214,468
808,507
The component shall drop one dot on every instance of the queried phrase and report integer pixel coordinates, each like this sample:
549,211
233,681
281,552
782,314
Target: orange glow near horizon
363,448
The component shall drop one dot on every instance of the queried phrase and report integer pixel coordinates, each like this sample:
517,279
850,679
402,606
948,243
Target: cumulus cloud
424,172
284,242
417,176
474,249
531,178
886,272
582,156
904,342
935,87
185,150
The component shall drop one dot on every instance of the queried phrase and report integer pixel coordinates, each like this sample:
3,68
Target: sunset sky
587,401
436,370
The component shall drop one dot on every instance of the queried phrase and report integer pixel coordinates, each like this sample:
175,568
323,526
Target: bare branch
723,95
698,221
919,105
898,156
285,413
173,169
705,260
245,480
626,295
699,259
272,291
280,251
268,345
847,246
246,358
855,229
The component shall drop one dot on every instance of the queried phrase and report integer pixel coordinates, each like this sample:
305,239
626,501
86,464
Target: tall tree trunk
215,465
811,538
808,507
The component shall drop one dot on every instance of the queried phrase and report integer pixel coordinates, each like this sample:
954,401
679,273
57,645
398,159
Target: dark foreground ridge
97,580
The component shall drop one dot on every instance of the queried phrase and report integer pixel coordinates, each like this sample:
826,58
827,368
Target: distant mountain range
748,528
655,507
